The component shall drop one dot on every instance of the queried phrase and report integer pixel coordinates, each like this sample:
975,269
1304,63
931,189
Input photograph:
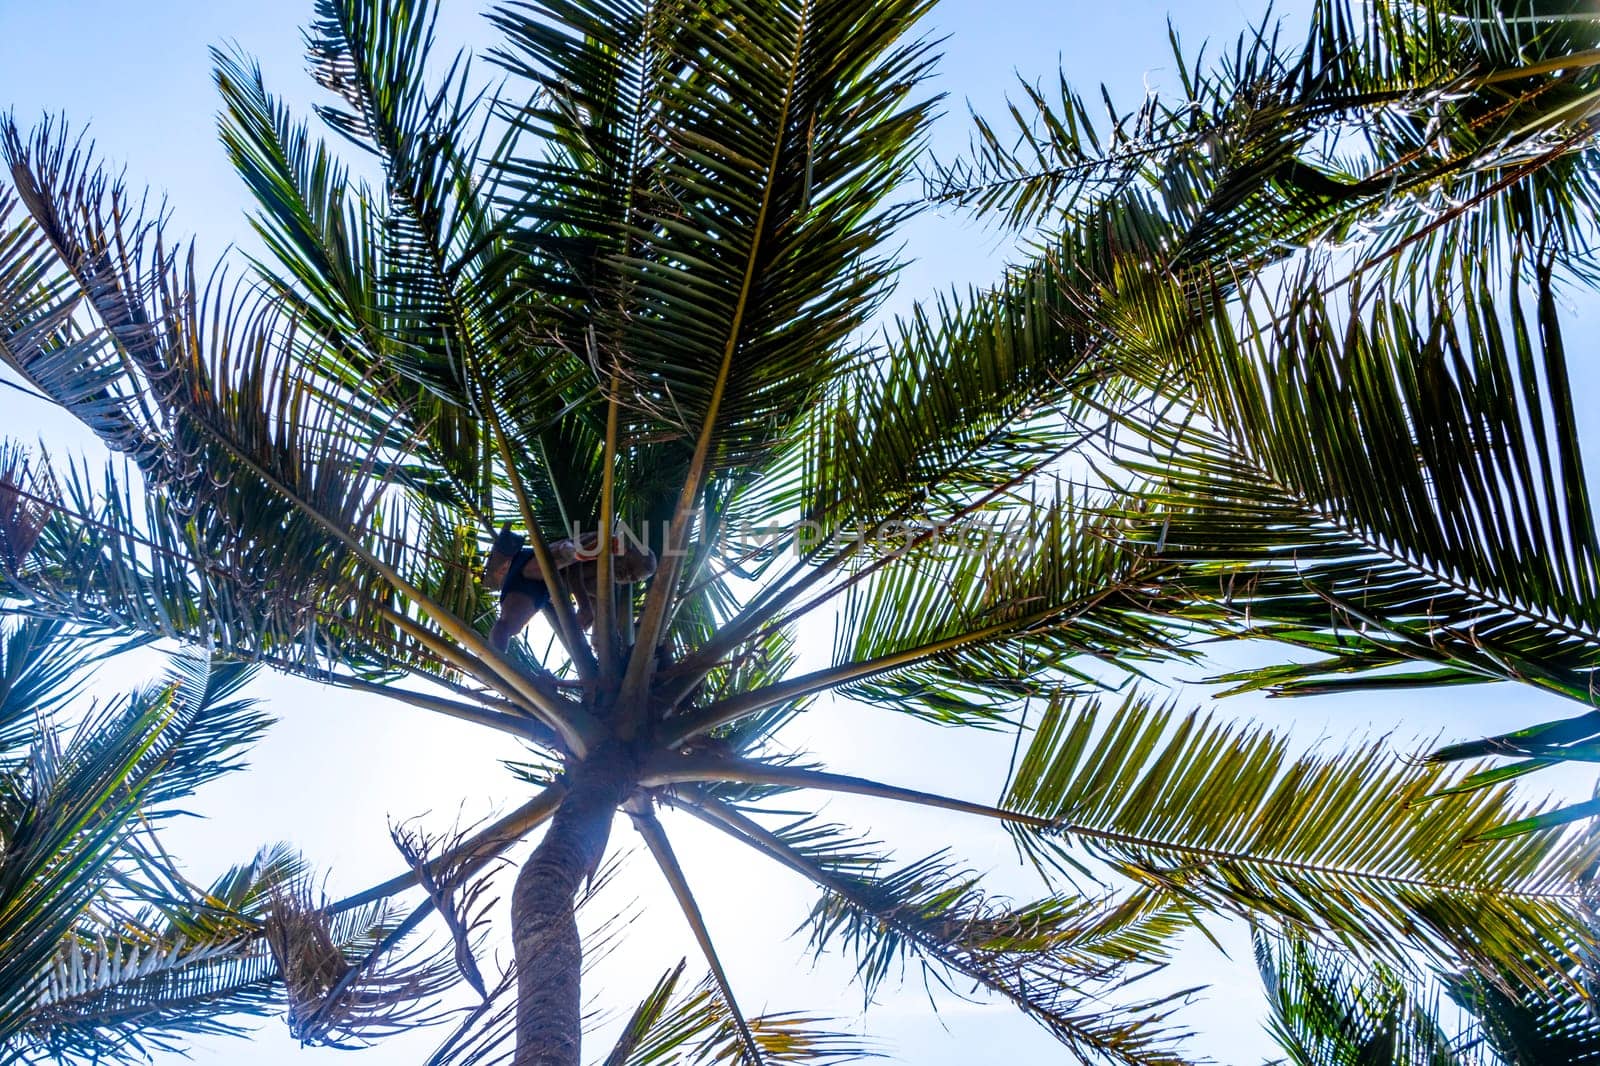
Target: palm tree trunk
544,933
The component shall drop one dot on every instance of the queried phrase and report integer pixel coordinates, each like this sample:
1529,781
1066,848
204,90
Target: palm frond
1055,959
230,431
265,468
1413,132
337,994
27,497
96,924
1329,1007
327,239
970,621
1399,490
191,965
445,868
1340,845
692,1025
1525,1029
39,337
1325,1008
43,666
743,222
80,800
116,559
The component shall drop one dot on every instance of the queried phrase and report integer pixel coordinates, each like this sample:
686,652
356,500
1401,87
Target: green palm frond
753,150
1341,845
1054,959
199,960
1398,490
43,665
939,903
1023,604
244,402
117,560
250,435
39,336
1508,161
970,402
327,237
975,402
87,909
723,240
1424,130
191,964
371,58
691,1026
235,409
1220,151
131,998
71,810
1530,1029
960,624
211,726
1328,1007
442,302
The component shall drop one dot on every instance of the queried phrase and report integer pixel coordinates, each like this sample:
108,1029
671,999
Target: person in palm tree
525,589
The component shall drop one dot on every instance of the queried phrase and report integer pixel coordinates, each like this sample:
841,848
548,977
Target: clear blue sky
338,768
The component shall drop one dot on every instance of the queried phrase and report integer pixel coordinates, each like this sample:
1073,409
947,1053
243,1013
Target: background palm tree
629,290
98,929
1327,1009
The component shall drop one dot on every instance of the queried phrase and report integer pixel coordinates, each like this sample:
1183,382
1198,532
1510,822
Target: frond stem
605,637
655,838
697,768
526,727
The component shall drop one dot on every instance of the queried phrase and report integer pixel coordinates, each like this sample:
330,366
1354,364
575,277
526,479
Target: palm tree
624,300
93,914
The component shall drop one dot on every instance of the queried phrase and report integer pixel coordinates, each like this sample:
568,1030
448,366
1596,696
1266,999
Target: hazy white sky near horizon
338,767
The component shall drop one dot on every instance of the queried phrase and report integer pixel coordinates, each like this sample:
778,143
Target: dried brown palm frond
458,890
312,965
341,985
26,493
